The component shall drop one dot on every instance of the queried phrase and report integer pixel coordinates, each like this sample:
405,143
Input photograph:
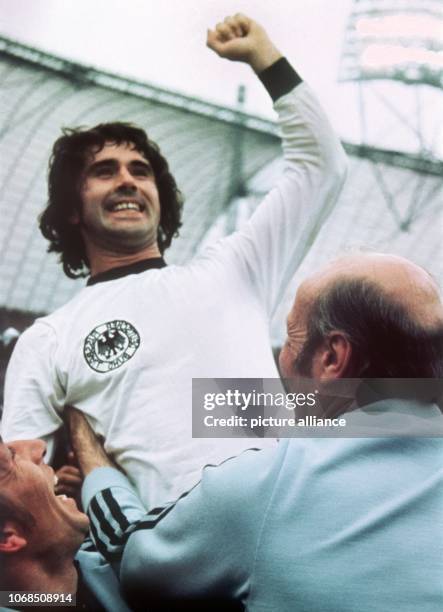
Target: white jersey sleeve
34,394
280,232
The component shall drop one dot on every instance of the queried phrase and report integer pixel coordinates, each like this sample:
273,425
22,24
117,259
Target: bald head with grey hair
366,315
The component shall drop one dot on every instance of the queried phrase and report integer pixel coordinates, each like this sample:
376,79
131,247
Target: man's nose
32,450
125,180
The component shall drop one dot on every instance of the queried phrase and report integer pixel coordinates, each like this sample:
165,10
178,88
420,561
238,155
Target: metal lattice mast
393,55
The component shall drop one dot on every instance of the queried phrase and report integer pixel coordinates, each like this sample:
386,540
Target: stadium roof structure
406,221
224,161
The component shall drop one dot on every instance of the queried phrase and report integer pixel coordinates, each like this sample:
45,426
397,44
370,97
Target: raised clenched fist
241,39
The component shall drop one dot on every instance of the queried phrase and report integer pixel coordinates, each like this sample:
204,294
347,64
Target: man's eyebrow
112,161
101,162
140,162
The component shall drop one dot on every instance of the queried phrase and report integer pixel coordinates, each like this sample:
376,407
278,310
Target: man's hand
69,478
87,447
241,39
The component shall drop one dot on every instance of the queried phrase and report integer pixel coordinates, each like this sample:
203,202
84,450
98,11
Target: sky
164,43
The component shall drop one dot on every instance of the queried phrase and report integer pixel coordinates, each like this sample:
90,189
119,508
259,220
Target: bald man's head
385,307
401,281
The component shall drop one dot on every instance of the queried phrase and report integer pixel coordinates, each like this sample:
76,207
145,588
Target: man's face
120,201
26,480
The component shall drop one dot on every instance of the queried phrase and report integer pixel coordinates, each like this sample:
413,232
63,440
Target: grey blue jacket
316,525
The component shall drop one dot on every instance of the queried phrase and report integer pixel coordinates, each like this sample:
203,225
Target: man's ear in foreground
12,538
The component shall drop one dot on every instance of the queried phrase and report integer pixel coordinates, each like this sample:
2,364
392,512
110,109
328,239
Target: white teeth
62,496
55,480
126,206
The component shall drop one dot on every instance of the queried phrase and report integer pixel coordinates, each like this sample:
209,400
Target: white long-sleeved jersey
125,351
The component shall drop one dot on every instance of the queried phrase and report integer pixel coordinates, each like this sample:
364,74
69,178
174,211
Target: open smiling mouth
63,497
126,205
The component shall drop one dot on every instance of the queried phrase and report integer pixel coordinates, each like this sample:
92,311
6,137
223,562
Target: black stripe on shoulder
88,545
99,544
156,511
149,524
214,465
114,509
162,512
105,526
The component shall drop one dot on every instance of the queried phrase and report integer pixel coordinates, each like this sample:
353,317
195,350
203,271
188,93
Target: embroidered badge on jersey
110,345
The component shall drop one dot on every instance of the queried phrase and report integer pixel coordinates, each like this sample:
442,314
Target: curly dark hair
66,165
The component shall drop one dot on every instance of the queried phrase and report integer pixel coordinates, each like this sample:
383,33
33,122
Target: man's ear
12,538
333,359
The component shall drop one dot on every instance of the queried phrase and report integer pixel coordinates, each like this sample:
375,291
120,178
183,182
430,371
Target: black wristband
279,78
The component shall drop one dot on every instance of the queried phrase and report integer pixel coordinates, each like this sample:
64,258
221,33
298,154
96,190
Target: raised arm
121,527
283,228
188,550
112,504
241,39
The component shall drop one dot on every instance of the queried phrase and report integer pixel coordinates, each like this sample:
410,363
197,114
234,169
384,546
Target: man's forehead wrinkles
5,460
